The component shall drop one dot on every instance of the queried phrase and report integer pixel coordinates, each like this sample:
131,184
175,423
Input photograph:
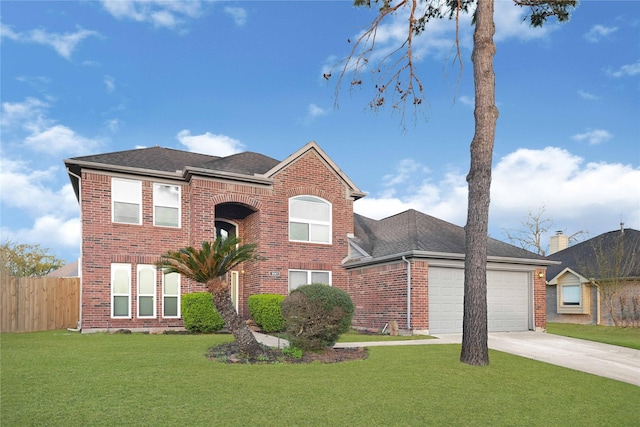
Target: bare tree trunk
475,349
238,327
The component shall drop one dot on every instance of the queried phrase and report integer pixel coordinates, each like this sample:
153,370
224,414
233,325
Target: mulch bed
230,353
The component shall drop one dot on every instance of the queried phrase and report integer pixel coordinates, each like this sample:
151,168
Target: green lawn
354,336
61,378
625,337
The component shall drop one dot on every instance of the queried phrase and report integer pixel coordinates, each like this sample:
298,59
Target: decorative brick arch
237,198
310,191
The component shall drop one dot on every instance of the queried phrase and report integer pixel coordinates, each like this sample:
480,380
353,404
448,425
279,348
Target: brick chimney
558,242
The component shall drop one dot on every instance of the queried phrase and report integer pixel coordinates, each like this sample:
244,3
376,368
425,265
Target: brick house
137,204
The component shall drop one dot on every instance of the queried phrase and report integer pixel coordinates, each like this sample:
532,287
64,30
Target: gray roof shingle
582,257
415,231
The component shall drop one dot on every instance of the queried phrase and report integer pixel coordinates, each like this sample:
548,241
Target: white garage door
507,300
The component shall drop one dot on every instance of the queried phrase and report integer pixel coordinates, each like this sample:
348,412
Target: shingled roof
581,258
171,160
415,232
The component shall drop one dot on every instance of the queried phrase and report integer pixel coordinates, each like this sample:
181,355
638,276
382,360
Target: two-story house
135,205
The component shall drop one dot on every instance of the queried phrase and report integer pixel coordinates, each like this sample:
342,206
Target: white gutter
79,326
408,292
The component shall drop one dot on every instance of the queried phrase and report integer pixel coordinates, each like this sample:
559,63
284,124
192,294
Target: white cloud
110,84
625,70
59,139
63,44
208,143
238,14
44,135
30,190
588,96
576,196
509,20
593,137
50,231
598,32
17,114
469,101
160,13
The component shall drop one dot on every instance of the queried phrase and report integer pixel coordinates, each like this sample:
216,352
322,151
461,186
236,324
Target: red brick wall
379,293
540,299
105,242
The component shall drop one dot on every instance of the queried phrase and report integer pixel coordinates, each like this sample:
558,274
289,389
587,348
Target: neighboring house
136,205
596,278
67,270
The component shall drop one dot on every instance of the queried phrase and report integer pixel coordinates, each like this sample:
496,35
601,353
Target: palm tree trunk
234,323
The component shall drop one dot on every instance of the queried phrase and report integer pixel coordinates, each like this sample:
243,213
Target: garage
508,300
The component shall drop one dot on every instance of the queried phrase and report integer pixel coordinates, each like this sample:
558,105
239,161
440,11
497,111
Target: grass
624,337
65,378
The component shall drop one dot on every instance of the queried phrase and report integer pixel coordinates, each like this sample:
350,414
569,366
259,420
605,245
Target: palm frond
212,260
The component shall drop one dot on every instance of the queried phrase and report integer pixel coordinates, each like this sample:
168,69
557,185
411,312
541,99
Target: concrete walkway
609,361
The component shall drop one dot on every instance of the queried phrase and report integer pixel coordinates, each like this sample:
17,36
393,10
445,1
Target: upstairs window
166,205
126,201
309,219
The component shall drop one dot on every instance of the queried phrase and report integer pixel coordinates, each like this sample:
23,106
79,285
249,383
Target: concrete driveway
610,361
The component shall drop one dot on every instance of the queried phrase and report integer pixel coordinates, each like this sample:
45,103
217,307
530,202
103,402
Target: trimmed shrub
199,314
316,315
265,311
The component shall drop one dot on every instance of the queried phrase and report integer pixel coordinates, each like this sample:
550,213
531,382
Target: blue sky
91,77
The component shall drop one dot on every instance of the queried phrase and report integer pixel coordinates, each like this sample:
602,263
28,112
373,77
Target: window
121,290
309,219
166,205
571,295
126,197
171,295
146,291
305,277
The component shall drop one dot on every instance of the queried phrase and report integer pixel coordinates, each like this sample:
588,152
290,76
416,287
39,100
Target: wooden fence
31,304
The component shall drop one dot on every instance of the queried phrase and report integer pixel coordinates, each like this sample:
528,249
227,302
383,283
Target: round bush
265,311
199,314
316,315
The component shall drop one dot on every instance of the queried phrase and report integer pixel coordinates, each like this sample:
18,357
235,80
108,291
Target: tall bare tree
614,261
399,82
533,229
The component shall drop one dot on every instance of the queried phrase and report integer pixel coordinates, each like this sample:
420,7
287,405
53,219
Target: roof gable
354,191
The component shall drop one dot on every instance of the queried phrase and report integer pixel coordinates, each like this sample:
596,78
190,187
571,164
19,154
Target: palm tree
209,266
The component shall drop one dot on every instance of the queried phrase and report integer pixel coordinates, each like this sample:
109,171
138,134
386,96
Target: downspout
79,326
408,291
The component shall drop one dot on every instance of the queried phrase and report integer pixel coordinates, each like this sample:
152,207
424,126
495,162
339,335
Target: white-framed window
171,295
166,205
120,290
146,291
126,201
306,277
309,219
570,294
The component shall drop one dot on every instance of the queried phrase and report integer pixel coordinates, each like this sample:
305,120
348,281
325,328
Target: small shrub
199,314
265,311
316,315
292,351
